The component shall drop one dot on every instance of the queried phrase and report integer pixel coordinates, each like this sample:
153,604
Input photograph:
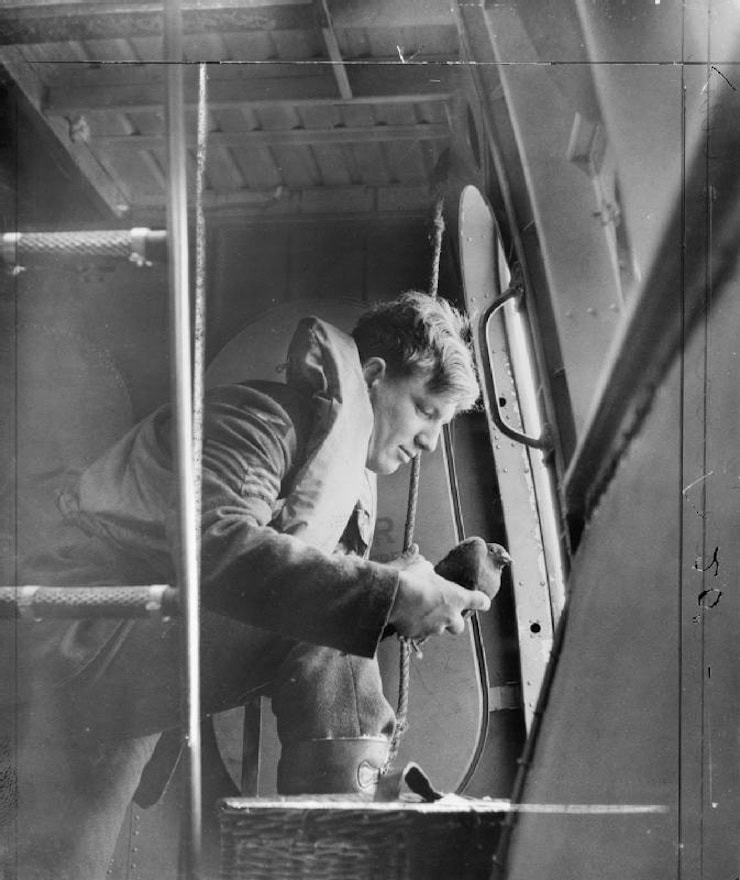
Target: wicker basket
338,838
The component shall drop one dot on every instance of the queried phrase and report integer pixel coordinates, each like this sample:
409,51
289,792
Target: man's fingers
420,565
407,559
427,604
475,600
410,555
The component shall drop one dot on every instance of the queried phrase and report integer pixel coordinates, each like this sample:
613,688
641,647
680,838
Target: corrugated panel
354,43
394,114
231,119
259,168
431,112
412,161
418,199
222,171
321,116
331,160
298,167
409,162
255,46
277,117
419,41
147,48
298,45
106,50
146,122
144,173
281,59
369,158
204,47
54,58
91,73
338,201
373,160
357,115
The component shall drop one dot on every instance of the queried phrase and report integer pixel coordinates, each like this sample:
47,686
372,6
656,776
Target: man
292,607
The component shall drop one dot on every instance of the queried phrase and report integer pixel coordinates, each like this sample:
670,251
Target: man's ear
373,370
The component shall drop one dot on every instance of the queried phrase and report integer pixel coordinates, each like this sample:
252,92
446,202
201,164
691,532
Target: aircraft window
527,495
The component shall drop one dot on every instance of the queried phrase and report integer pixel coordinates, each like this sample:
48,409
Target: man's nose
427,439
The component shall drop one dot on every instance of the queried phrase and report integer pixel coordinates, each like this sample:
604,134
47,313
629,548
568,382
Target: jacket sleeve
257,575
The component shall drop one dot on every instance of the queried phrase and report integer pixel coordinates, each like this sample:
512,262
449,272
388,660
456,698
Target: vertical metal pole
182,402
199,311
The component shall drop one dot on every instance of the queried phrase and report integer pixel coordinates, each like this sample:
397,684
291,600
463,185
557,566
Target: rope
439,228
407,645
408,535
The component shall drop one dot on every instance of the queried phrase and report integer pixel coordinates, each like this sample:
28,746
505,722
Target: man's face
408,419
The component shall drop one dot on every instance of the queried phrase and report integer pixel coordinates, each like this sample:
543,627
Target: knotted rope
407,645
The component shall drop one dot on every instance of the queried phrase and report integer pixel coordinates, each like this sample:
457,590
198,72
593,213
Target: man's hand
427,604
407,558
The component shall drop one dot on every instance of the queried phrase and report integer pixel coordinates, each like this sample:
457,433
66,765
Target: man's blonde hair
422,335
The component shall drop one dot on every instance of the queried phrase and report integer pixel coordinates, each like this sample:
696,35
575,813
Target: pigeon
475,565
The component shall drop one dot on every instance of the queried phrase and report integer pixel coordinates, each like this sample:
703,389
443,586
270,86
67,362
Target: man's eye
427,413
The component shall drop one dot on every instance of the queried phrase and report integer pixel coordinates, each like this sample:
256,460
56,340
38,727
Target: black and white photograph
370,440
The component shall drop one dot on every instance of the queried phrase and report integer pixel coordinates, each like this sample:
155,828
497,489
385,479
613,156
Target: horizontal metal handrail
140,245
41,602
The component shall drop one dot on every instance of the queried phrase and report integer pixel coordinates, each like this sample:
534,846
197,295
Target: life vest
332,482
